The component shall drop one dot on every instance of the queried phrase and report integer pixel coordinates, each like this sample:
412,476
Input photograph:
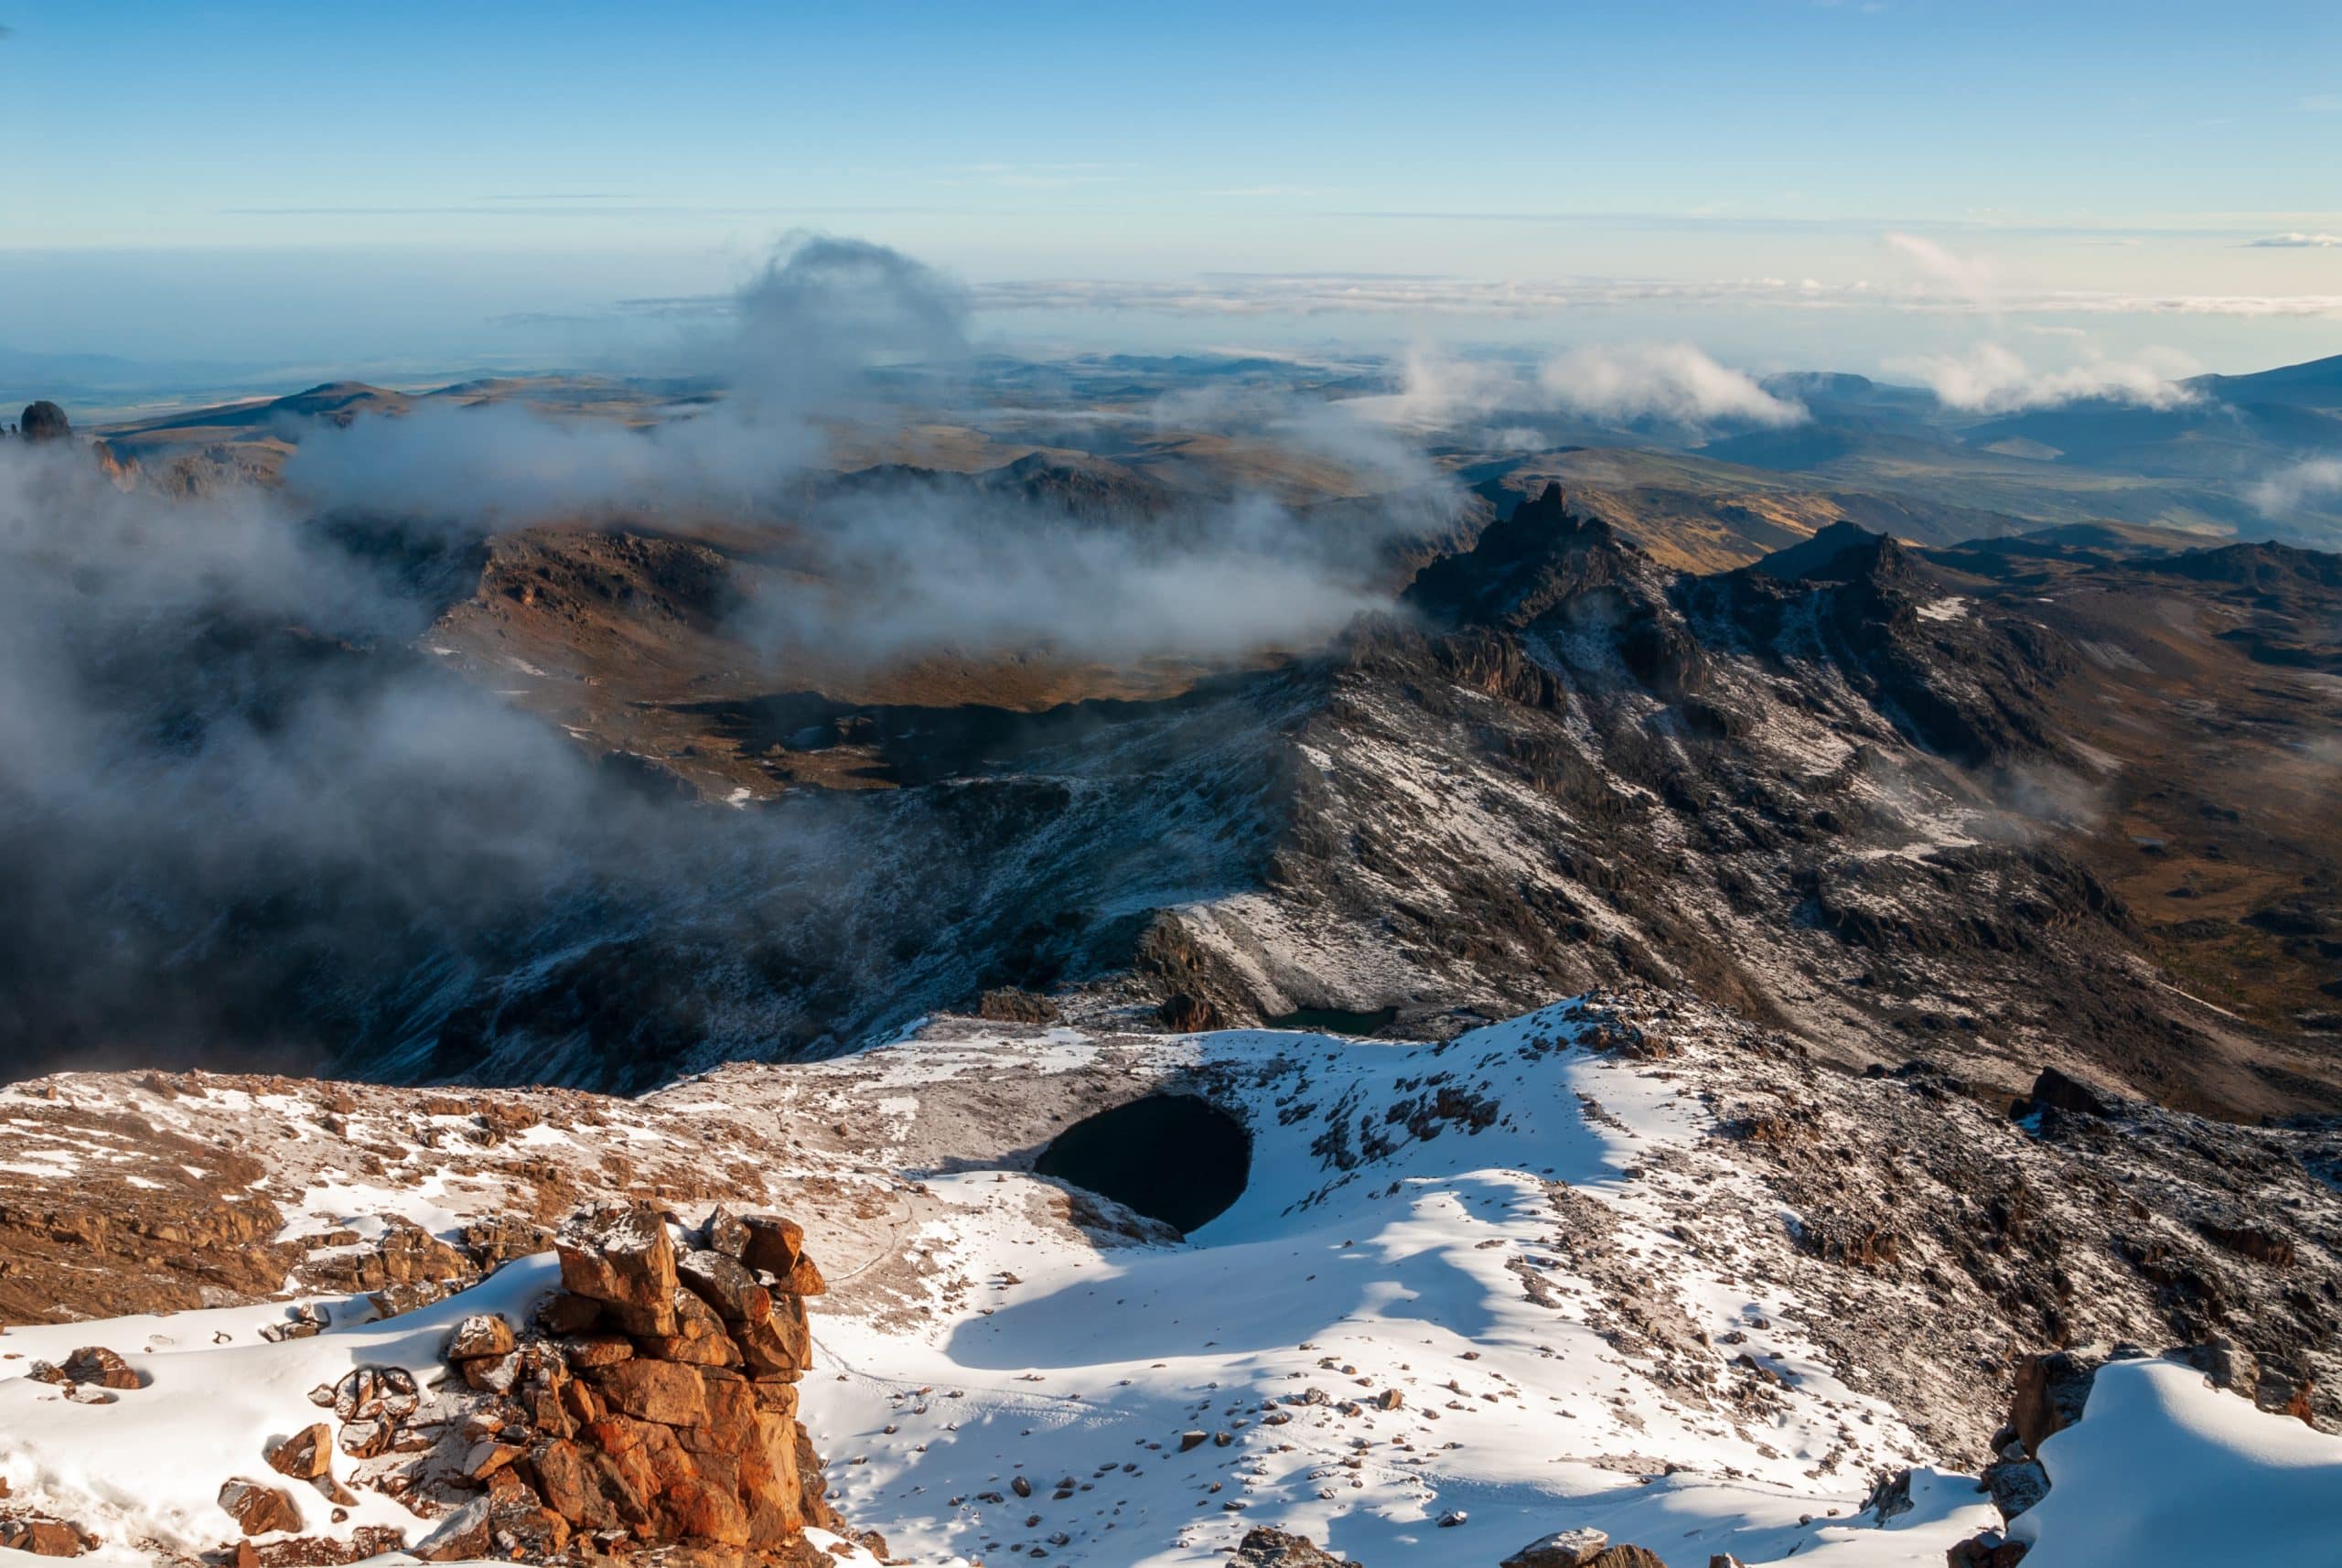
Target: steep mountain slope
1851,790
1830,794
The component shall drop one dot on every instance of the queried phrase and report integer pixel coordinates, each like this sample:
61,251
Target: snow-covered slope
1540,1276
1483,1285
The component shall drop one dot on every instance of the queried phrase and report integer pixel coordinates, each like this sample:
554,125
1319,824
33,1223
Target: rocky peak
1529,565
44,421
1840,553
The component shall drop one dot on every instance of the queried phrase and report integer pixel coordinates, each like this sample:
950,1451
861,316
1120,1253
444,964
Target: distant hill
2316,383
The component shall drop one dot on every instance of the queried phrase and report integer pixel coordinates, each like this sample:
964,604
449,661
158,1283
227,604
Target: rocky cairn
651,1404
647,1408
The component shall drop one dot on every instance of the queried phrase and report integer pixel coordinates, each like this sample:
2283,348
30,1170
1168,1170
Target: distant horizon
1805,183
135,396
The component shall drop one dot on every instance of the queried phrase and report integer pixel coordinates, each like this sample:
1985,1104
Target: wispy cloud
1268,191
1965,277
2282,494
2295,242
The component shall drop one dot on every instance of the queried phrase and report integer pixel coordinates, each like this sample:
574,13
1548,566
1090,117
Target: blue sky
426,181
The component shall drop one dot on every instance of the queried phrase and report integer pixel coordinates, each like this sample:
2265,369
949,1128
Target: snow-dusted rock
1563,1548
258,1507
305,1456
620,1254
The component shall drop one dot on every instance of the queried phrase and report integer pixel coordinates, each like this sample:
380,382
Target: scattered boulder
405,1255
1890,1495
44,1537
97,1367
461,1536
1265,1548
259,1508
1990,1549
480,1337
397,1300
2017,1483
305,1321
1563,1548
305,1456
1008,1005
2055,1089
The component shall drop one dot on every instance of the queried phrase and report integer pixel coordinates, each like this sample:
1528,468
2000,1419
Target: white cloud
1970,280
1989,377
2295,242
1438,389
2319,478
1672,382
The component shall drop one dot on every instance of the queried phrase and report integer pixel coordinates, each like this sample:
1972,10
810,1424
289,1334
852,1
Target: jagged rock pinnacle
44,421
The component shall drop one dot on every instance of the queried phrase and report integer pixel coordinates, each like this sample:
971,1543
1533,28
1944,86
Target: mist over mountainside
590,732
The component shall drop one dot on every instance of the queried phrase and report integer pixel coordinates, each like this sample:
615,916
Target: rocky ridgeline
170,1221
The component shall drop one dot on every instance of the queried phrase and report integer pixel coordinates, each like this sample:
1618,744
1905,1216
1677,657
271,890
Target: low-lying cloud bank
836,330
931,566
1671,385
1673,382
227,785
1989,377
243,813
803,340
